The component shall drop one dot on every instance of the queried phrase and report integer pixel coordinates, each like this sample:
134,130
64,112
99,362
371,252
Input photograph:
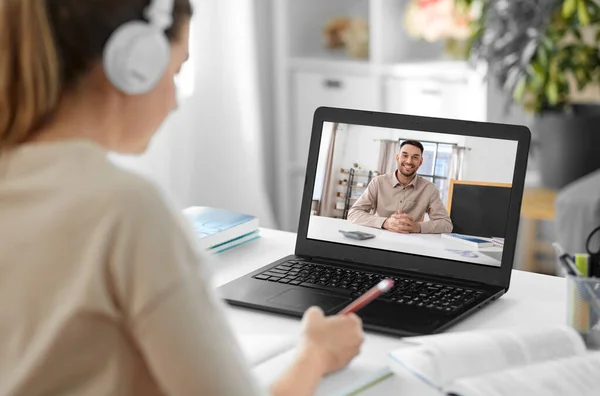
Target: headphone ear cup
136,57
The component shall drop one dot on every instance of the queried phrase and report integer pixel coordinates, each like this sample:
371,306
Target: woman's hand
334,341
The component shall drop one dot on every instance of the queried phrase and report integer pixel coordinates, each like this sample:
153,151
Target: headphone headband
160,13
138,52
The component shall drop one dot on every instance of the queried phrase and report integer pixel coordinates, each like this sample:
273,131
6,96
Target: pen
382,287
583,288
566,261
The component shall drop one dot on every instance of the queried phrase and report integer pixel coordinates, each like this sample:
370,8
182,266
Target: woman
99,293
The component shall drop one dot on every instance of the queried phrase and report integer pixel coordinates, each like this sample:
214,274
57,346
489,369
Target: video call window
415,192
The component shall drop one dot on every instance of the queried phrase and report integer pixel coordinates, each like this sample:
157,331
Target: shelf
338,63
333,63
343,198
360,173
442,70
353,186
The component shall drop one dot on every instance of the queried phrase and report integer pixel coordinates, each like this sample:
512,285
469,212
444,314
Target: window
437,159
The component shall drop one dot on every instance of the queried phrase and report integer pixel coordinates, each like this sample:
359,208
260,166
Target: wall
211,151
361,144
489,161
266,68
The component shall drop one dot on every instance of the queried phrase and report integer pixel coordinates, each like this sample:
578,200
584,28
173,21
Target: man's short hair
415,143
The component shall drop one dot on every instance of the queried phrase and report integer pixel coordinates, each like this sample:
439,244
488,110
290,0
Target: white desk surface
532,299
327,229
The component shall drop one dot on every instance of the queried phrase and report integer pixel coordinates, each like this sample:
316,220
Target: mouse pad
301,300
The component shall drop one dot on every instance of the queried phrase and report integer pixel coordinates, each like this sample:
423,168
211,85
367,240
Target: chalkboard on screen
479,208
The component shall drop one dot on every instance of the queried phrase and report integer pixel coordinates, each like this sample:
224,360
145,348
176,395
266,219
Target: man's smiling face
409,160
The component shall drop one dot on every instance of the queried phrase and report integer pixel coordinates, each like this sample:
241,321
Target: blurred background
259,69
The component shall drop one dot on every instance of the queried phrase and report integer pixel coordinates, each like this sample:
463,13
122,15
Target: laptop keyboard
411,292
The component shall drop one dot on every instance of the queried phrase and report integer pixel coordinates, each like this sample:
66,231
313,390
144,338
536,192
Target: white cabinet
424,97
434,97
312,90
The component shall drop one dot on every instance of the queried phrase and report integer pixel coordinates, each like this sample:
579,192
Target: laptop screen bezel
496,276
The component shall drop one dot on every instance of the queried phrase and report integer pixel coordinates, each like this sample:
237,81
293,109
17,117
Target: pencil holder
583,308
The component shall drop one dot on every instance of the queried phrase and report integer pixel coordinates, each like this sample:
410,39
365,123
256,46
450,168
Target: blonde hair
29,70
46,46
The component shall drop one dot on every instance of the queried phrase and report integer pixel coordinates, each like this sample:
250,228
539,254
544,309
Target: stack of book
219,229
476,242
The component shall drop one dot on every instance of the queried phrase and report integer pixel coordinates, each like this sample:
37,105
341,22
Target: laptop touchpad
301,300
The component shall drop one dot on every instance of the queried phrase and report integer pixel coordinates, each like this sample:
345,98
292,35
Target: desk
532,299
327,229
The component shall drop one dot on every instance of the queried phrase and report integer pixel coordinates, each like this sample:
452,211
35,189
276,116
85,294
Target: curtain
387,156
211,151
327,198
456,163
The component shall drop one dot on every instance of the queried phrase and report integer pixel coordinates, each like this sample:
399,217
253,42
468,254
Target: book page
564,377
258,348
444,358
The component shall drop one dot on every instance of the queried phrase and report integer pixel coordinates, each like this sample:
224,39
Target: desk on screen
327,229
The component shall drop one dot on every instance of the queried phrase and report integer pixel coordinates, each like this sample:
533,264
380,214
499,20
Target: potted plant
545,55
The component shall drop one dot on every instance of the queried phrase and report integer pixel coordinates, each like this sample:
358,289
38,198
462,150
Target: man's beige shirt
385,195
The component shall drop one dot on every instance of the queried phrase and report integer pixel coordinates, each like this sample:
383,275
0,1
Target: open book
524,361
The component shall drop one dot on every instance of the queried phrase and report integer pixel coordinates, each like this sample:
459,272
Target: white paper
564,377
419,361
457,355
258,348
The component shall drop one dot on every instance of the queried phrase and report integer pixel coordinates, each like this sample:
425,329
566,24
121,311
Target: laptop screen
421,193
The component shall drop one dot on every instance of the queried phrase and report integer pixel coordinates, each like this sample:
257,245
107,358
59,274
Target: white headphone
138,52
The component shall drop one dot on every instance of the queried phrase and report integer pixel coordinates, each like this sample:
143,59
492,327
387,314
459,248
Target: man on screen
398,201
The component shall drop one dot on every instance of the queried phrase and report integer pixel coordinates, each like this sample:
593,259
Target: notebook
469,240
220,248
220,229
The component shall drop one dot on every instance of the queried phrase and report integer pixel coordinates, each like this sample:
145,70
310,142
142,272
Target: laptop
342,251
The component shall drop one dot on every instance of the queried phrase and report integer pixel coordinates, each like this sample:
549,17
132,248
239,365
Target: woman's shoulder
128,190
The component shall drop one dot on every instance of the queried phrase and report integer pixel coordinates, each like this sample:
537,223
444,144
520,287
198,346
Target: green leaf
568,8
552,93
548,43
581,78
537,83
582,13
543,56
553,69
520,90
462,5
538,69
